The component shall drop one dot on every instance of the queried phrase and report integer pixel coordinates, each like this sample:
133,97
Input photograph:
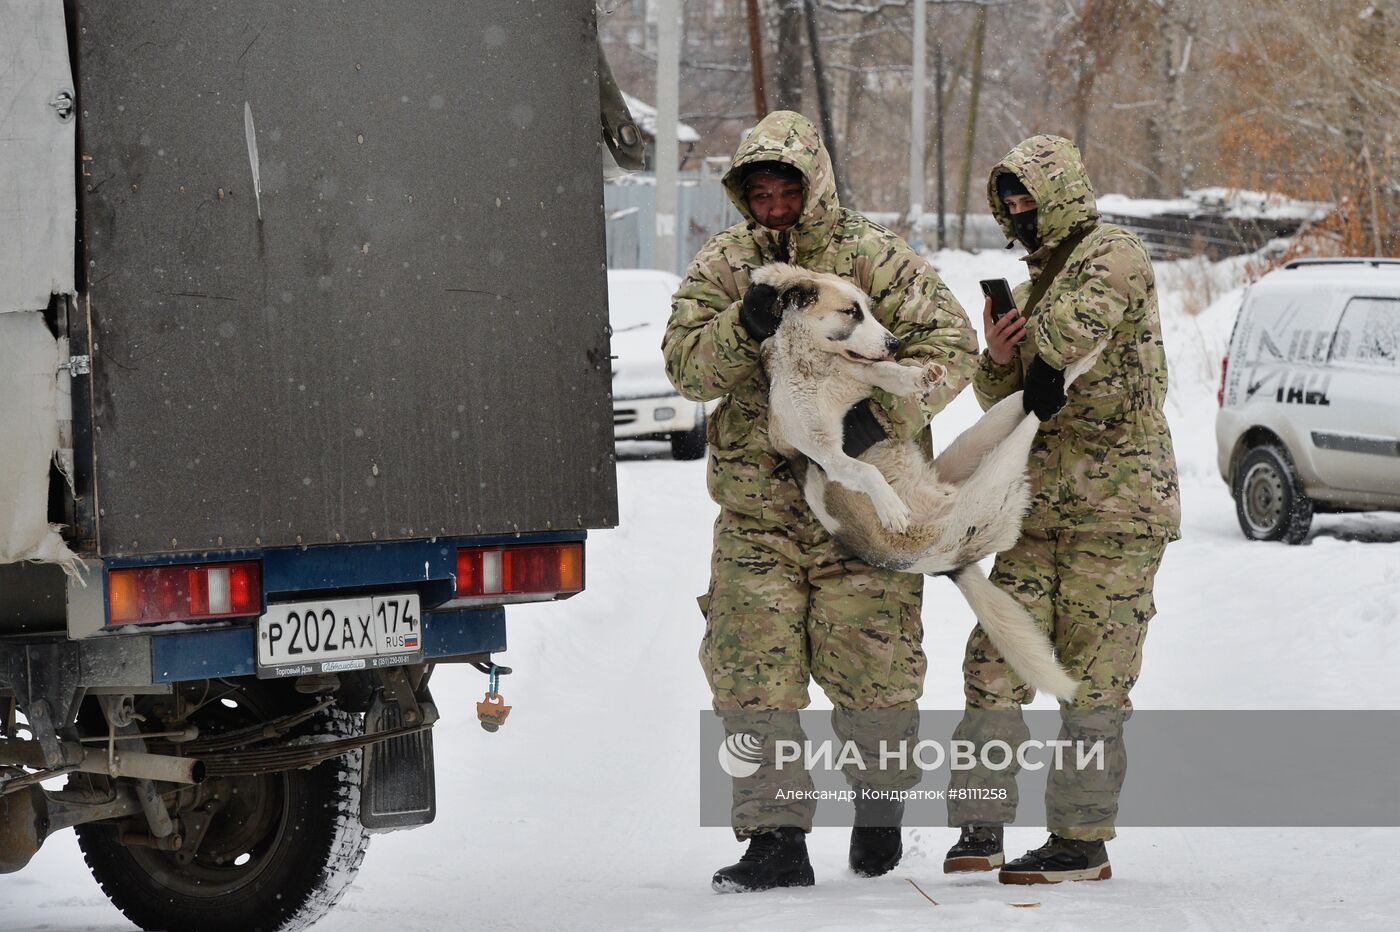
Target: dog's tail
1014,633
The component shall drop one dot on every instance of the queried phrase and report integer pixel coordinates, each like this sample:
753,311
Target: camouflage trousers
1092,593
788,605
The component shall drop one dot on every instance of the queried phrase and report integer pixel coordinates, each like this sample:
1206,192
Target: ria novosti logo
741,754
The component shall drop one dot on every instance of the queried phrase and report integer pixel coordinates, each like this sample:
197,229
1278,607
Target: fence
702,210
1177,237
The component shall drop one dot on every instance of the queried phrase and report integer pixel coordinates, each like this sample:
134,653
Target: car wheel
1269,500
690,444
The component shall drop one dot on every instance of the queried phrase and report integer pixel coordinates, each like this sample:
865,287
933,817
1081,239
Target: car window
1287,326
633,305
1369,333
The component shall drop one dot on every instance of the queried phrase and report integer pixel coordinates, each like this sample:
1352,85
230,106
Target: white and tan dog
895,506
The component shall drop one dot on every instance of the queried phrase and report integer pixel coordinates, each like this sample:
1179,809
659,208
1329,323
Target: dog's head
826,311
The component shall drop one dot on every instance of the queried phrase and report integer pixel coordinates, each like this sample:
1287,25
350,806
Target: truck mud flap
398,789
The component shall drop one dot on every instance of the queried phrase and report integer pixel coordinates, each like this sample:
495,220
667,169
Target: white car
1310,396
645,405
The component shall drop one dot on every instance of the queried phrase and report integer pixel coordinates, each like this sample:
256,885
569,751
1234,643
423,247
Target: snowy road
582,812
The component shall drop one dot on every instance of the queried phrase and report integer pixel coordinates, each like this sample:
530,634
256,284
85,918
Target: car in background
645,404
1309,414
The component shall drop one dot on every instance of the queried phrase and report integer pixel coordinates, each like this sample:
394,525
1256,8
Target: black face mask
1026,226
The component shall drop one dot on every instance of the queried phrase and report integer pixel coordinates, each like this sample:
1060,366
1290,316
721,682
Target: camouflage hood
788,137
1053,172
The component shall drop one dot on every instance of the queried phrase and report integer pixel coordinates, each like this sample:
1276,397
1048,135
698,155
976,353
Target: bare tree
979,42
787,87
1300,99
814,46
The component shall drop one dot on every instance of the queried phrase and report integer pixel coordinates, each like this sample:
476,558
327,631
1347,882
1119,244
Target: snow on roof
1341,271
644,115
1122,205
1216,202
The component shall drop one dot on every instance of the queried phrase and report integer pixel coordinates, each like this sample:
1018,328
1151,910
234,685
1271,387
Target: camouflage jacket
710,355
1105,462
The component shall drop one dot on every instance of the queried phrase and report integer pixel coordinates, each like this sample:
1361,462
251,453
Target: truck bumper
199,655
94,654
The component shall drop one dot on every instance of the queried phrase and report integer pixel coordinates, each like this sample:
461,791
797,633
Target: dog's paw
911,381
931,376
919,381
891,510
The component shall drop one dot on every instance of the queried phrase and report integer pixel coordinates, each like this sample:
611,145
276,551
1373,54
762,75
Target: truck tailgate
400,330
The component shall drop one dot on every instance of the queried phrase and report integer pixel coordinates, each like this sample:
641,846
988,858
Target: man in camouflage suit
1104,505
786,602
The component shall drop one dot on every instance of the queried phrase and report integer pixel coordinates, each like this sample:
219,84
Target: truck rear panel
398,330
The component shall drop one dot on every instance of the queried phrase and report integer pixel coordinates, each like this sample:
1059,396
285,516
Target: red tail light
1224,367
183,593
528,569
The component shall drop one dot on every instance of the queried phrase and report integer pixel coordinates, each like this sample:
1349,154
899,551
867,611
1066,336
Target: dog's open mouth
857,357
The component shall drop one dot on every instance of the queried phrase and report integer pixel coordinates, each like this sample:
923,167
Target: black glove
1044,391
860,430
757,312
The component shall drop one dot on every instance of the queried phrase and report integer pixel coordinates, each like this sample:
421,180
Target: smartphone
1000,292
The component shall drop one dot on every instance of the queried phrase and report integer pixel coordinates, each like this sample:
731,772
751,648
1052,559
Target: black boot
877,842
978,849
774,859
1057,860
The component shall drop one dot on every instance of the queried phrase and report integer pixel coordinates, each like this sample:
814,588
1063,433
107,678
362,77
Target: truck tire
278,856
1269,499
690,444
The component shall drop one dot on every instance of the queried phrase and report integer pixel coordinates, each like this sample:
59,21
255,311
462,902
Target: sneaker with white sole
1058,860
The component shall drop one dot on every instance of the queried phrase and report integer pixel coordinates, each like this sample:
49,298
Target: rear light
528,569
1224,367
183,593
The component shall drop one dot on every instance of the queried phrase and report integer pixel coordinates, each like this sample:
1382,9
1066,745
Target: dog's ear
797,296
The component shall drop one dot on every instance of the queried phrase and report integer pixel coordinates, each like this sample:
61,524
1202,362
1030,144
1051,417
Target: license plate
301,638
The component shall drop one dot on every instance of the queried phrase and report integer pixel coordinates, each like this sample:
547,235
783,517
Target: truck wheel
277,856
1269,500
690,444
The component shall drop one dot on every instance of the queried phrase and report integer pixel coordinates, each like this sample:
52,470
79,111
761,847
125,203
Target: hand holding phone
1000,292
1002,328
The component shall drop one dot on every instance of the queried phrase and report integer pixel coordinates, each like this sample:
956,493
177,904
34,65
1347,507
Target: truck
304,378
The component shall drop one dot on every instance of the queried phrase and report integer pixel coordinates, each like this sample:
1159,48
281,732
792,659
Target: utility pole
667,157
760,91
916,127
938,80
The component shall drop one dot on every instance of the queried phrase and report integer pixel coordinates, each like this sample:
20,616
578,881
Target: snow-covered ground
582,812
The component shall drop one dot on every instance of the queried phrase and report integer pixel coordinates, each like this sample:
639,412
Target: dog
895,506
